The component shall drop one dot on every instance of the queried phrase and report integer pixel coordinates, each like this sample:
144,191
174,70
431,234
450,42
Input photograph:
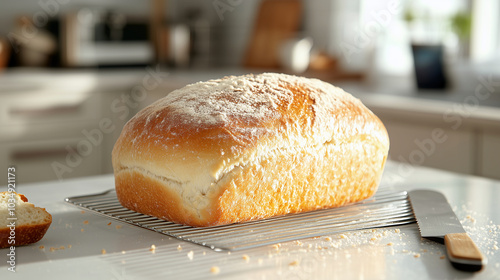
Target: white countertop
393,93
78,241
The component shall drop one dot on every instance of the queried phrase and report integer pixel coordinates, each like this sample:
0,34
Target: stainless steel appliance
105,38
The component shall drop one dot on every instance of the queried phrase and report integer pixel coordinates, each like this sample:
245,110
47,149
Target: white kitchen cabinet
490,154
40,127
117,108
56,126
54,159
472,141
431,146
42,115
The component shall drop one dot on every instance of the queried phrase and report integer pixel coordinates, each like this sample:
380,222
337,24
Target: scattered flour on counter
335,253
481,229
338,252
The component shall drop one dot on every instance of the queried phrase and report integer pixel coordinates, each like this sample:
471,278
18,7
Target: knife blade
437,221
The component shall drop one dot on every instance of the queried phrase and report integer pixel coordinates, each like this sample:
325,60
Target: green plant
409,16
461,24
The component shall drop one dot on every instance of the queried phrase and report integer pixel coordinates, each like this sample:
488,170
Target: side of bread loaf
249,147
30,224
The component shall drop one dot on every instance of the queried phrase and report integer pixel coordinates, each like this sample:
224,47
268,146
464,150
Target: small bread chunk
31,223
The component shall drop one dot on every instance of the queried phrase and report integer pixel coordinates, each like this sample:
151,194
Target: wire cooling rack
386,208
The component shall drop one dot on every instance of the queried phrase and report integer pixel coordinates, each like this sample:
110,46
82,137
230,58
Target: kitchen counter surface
473,108
476,97
82,245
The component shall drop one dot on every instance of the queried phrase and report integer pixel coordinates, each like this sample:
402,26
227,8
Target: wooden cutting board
276,22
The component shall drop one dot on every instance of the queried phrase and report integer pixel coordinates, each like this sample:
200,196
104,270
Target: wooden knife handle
463,253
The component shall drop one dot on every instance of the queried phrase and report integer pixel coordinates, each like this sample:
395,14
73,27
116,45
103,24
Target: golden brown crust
250,193
249,147
24,234
313,182
23,198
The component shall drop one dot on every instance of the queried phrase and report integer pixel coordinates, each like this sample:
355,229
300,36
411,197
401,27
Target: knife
437,221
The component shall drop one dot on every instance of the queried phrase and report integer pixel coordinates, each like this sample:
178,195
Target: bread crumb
214,270
309,246
246,258
342,236
82,230
495,247
61,248
52,249
153,248
109,223
103,252
328,238
390,244
41,247
83,212
190,255
118,227
442,257
373,239
417,255
397,230
298,242
85,222
179,248
69,246
294,263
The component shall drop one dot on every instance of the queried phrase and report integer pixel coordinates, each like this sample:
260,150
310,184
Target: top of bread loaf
195,135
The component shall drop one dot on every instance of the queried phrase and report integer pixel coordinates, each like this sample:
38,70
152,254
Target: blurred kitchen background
72,72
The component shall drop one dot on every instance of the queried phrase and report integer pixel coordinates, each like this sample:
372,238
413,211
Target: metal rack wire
386,208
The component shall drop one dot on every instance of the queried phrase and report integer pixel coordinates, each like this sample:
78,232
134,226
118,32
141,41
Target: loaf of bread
246,148
29,225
